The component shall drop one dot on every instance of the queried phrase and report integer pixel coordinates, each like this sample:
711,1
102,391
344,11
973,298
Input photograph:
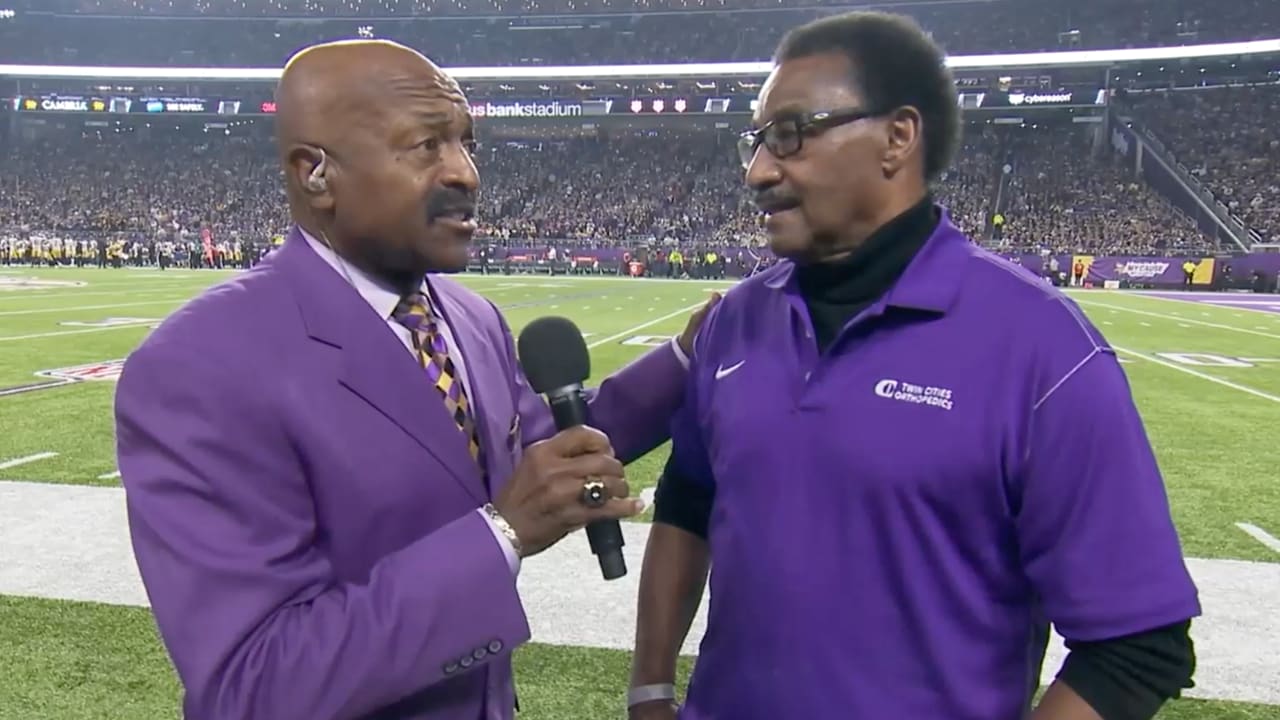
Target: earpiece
315,181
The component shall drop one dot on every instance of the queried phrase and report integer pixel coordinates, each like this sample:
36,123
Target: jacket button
451,668
495,646
480,654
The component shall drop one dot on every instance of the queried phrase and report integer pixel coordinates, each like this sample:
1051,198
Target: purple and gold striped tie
414,312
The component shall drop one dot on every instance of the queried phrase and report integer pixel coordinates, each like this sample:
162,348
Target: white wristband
649,693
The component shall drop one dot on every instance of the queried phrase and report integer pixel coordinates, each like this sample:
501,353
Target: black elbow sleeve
683,503
1130,678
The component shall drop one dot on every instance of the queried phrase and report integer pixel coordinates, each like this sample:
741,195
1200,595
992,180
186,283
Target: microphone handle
569,409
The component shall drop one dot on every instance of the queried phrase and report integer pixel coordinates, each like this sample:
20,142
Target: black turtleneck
836,291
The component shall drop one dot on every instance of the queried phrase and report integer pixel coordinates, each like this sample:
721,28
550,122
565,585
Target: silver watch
650,693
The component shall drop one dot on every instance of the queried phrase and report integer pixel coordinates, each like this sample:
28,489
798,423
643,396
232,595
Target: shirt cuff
684,359
513,560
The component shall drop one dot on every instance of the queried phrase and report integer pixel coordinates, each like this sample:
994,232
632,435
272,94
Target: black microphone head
553,354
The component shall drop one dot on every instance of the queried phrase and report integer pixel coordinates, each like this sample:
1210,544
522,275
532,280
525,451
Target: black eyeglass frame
749,141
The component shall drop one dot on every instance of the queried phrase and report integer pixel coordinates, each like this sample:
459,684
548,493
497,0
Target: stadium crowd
1242,171
623,30
1062,197
646,188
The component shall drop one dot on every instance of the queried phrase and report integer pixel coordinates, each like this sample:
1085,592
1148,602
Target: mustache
773,200
447,201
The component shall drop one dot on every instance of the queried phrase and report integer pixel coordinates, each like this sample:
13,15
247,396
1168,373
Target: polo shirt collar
930,281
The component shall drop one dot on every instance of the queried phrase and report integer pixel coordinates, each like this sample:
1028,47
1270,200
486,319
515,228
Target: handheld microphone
556,361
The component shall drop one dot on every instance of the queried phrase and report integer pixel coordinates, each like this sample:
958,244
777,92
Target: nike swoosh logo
723,372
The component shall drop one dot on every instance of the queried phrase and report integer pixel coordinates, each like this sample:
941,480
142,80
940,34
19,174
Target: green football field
77,642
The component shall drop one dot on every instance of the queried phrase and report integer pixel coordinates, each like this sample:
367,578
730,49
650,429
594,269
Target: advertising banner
261,102
1130,270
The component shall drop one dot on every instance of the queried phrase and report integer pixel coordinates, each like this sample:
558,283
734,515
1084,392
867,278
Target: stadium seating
624,190
1226,137
621,31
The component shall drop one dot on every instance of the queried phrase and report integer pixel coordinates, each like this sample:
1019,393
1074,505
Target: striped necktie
414,312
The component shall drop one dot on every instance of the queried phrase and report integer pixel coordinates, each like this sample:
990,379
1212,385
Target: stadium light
671,70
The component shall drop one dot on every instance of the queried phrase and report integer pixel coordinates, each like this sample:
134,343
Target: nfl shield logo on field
108,370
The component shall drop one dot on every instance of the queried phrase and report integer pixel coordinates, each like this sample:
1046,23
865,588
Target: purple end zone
1234,301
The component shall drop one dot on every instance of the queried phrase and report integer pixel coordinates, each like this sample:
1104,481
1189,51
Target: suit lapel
375,365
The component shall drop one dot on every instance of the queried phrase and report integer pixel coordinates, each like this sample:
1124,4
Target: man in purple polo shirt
900,456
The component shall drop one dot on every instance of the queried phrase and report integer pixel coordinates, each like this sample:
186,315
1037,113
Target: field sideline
1205,369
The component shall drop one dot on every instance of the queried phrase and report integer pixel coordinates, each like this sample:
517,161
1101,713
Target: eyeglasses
784,136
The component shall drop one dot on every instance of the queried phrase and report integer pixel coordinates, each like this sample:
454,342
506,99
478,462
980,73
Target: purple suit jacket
303,509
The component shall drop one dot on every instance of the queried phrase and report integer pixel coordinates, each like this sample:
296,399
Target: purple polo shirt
895,519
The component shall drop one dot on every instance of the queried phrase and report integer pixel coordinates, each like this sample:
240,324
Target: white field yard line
42,311
27,459
1260,535
46,296
1202,376
1175,318
473,278
642,326
60,333
1224,303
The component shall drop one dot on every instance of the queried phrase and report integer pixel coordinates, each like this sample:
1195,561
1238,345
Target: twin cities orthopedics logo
93,372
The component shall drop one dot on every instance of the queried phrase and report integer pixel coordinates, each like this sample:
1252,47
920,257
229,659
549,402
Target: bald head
328,90
375,140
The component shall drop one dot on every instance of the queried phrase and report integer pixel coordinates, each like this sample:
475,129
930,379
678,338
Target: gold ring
594,493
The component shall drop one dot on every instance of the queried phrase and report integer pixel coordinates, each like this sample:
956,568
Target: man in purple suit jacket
328,502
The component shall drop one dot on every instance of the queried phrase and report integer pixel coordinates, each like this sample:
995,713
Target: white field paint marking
647,496
648,340
43,311
1183,325
60,333
109,476
1260,535
1162,316
1106,322
1217,300
1204,359
26,459
1202,376
618,279
630,331
78,295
